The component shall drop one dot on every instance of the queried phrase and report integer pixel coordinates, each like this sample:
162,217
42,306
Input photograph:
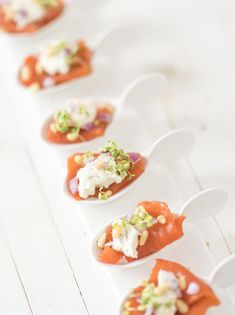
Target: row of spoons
200,206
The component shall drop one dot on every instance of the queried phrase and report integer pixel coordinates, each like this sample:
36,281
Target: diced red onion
138,229
130,216
88,126
193,288
123,261
149,311
135,157
47,82
109,244
154,220
73,185
23,13
72,105
68,51
105,117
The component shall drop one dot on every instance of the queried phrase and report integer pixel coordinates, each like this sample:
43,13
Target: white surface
46,265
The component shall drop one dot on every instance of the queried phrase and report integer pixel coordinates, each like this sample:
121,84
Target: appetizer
55,64
80,121
104,173
171,290
28,16
143,232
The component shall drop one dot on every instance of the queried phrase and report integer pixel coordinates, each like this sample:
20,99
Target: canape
102,174
28,16
146,230
79,121
56,63
171,290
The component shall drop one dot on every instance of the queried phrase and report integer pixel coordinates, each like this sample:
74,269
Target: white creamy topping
167,301
81,112
95,175
168,297
24,12
54,60
126,240
169,278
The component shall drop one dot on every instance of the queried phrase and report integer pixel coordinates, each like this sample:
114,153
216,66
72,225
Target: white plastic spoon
222,276
205,203
168,148
151,86
200,206
94,45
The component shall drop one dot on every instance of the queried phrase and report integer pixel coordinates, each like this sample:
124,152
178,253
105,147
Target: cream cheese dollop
166,277
81,112
125,240
55,57
169,299
23,12
170,296
95,174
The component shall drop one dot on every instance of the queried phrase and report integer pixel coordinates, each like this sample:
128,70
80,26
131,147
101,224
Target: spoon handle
117,30
174,145
224,274
204,204
143,91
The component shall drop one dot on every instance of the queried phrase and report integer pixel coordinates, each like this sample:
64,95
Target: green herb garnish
122,165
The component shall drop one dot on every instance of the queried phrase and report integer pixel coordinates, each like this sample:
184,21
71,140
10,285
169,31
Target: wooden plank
13,296
37,251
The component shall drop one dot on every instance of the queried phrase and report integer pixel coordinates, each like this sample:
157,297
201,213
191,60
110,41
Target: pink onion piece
149,311
138,229
109,244
88,127
68,51
135,157
123,261
48,82
73,185
22,13
105,117
129,216
72,106
193,288
154,220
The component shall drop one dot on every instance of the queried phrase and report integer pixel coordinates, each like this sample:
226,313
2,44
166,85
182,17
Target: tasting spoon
222,276
151,86
202,205
170,147
94,45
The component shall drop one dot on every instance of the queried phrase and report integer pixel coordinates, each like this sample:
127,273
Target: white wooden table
45,264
